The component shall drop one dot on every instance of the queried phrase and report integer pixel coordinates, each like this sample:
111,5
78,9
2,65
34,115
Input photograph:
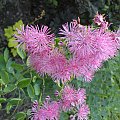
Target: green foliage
4,77
64,116
2,100
12,43
15,84
9,88
24,82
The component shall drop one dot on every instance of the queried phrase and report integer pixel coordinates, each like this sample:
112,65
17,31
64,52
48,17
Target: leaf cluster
9,34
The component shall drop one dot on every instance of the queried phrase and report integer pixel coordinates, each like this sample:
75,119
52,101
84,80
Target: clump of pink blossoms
71,99
36,40
83,112
49,111
88,48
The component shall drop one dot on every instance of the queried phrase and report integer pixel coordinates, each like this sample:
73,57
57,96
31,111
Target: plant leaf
9,66
14,101
2,62
21,52
8,32
6,54
4,76
20,116
24,82
37,89
2,100
18,25
9,88
8,107
30,91
13,51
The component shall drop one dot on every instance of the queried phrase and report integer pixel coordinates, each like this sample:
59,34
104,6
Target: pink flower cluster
71,99
49,111
89,48
36,40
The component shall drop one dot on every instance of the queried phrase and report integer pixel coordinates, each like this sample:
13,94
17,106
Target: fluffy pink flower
39,62
76,66
83,112
83,67
52,63
108,45
36,40
40,115
82,42
68,97
85,45
69,30
81,96
71,97
60,67
49,111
